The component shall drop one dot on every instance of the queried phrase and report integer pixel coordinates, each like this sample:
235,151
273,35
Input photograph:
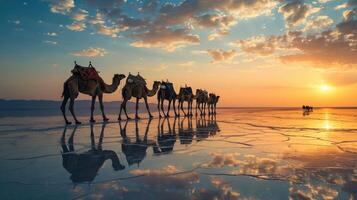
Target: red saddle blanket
86,73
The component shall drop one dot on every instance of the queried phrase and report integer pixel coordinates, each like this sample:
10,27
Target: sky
250,52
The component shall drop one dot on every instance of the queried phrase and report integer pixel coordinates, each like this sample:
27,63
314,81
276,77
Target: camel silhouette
201,101
185,94
166,92
76,84
135,86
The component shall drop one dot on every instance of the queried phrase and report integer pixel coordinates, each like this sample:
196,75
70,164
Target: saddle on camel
136,80
86,73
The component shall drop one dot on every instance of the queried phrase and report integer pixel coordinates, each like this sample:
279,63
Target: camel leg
100,96
168,109
174,105
162,107
181,106
158,106
121,108
124,107
147,107
197,105
92,108
137,108
63,109
71,104
178,108
188,108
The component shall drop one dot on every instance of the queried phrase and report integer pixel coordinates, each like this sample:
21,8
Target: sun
325,88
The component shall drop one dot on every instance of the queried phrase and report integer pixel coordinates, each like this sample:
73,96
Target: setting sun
325,88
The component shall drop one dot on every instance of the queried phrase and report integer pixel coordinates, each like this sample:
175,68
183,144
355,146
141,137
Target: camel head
119,76
157,83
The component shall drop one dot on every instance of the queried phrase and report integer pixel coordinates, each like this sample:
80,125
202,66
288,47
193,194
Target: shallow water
238,154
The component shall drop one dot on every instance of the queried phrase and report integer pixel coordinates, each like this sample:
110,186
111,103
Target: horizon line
220,107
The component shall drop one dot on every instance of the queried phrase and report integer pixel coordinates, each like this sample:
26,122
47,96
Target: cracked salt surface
239,154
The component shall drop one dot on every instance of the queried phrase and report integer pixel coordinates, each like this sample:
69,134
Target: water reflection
84,167
135,150
165,140
260,155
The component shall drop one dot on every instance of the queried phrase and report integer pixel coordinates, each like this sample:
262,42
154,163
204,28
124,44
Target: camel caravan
86,80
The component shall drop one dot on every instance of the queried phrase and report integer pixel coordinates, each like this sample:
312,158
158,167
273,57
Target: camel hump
138,80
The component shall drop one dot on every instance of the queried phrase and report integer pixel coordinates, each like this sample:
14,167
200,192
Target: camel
201,101
84,167
135,151
185,94
166,92
212,103
75,85
135,86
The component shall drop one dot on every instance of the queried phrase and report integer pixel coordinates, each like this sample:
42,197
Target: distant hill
18,108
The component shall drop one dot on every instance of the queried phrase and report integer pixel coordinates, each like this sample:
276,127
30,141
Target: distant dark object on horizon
308,108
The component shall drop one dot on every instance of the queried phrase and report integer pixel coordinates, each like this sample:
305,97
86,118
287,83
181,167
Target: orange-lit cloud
90,52
220,55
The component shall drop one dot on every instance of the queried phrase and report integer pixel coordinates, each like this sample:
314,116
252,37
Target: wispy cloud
90,52
50,42
76,26
53,34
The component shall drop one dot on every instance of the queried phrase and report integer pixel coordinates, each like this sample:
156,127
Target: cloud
341,6
174,23
259,45
53,34
16,22
330,48
76,26
324,1
165,38
219,55
319,23
50,42
80,15
90,52
349,15
295,12
61,6
100,27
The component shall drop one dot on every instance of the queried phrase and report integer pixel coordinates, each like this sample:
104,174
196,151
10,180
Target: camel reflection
84,167
185,134
135,151
165,140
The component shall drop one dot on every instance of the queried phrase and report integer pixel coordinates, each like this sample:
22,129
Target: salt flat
238,154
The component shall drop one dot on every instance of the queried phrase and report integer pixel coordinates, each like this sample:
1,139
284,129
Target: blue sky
189,42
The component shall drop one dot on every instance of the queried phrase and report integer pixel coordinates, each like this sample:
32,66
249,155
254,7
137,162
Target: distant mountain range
18,108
